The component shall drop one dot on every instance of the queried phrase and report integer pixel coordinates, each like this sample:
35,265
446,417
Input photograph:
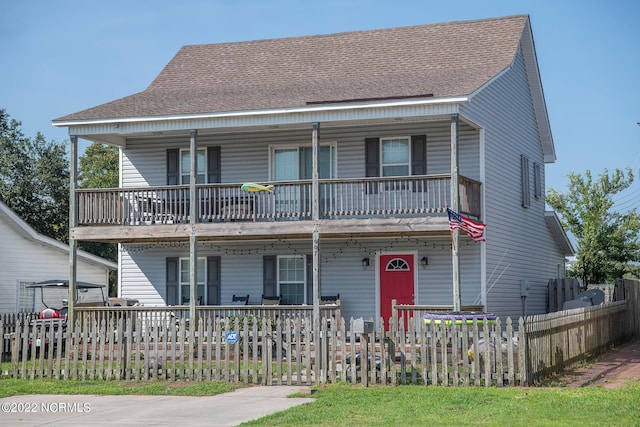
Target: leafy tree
98,168
34,179
607,241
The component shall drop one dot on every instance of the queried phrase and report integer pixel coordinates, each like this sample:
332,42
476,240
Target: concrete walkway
228,409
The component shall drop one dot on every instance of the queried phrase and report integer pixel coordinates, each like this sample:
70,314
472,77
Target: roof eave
27,231
554,224
266,112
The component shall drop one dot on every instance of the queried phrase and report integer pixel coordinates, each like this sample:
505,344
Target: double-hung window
185,166
291,279
395,157
184,287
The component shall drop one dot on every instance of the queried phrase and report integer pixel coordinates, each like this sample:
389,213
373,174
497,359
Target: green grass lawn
348,405
468,406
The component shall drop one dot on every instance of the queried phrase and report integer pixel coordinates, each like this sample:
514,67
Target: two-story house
364,138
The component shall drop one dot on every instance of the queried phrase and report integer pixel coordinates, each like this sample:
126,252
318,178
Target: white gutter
246,113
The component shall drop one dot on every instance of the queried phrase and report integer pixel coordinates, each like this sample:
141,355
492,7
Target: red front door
396,282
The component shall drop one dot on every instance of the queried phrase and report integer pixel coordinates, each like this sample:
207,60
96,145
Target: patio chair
271,299
330,299
240,299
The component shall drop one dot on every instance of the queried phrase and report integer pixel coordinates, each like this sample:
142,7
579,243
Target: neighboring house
397,117
28,257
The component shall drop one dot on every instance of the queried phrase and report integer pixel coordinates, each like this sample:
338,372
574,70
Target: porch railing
290,200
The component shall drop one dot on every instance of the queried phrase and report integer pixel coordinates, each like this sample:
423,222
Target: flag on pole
475,230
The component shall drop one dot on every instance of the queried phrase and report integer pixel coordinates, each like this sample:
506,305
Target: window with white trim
184,287
396,157
185,166
26,298
397,264
292,163
291,279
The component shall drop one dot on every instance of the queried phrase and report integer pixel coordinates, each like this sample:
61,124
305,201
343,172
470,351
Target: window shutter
213,280
419,160
309,260
173,166
372,162
419,155
270,275
214,165
526,193
372,156
537,180
172,281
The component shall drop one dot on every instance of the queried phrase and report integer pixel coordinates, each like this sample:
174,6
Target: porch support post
455,206
193,220
73,222
315,215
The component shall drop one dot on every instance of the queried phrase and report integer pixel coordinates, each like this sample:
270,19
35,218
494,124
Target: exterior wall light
425,261
365,262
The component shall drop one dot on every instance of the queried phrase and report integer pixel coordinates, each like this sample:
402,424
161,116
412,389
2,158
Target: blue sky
63,56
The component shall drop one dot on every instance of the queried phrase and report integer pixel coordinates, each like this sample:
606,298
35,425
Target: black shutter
419,155
419,160
213,280
269,275
214,165
309,259
173,166
173,272
372,162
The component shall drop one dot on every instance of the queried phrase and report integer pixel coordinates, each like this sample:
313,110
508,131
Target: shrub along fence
280,346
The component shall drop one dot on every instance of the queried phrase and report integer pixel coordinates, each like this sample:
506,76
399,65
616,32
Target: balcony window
294,163
395,157
185,166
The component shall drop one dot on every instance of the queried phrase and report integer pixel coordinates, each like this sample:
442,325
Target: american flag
475,230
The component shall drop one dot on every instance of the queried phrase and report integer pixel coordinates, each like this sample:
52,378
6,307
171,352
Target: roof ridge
363,31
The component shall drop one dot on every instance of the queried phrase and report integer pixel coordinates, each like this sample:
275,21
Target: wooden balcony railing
290,200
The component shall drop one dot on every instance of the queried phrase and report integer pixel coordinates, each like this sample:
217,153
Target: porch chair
271,299
330,299
240,299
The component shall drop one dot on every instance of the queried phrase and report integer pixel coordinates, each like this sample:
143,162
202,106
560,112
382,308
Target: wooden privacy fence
556,341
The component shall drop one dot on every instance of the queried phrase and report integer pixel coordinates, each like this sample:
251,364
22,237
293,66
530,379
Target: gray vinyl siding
519,244
245,156
143,268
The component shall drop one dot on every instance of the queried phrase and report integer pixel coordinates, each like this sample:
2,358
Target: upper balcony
225,210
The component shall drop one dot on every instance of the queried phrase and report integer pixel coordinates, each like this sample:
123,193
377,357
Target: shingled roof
439,60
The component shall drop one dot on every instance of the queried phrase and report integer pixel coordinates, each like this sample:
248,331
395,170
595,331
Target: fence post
523,353
14,350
